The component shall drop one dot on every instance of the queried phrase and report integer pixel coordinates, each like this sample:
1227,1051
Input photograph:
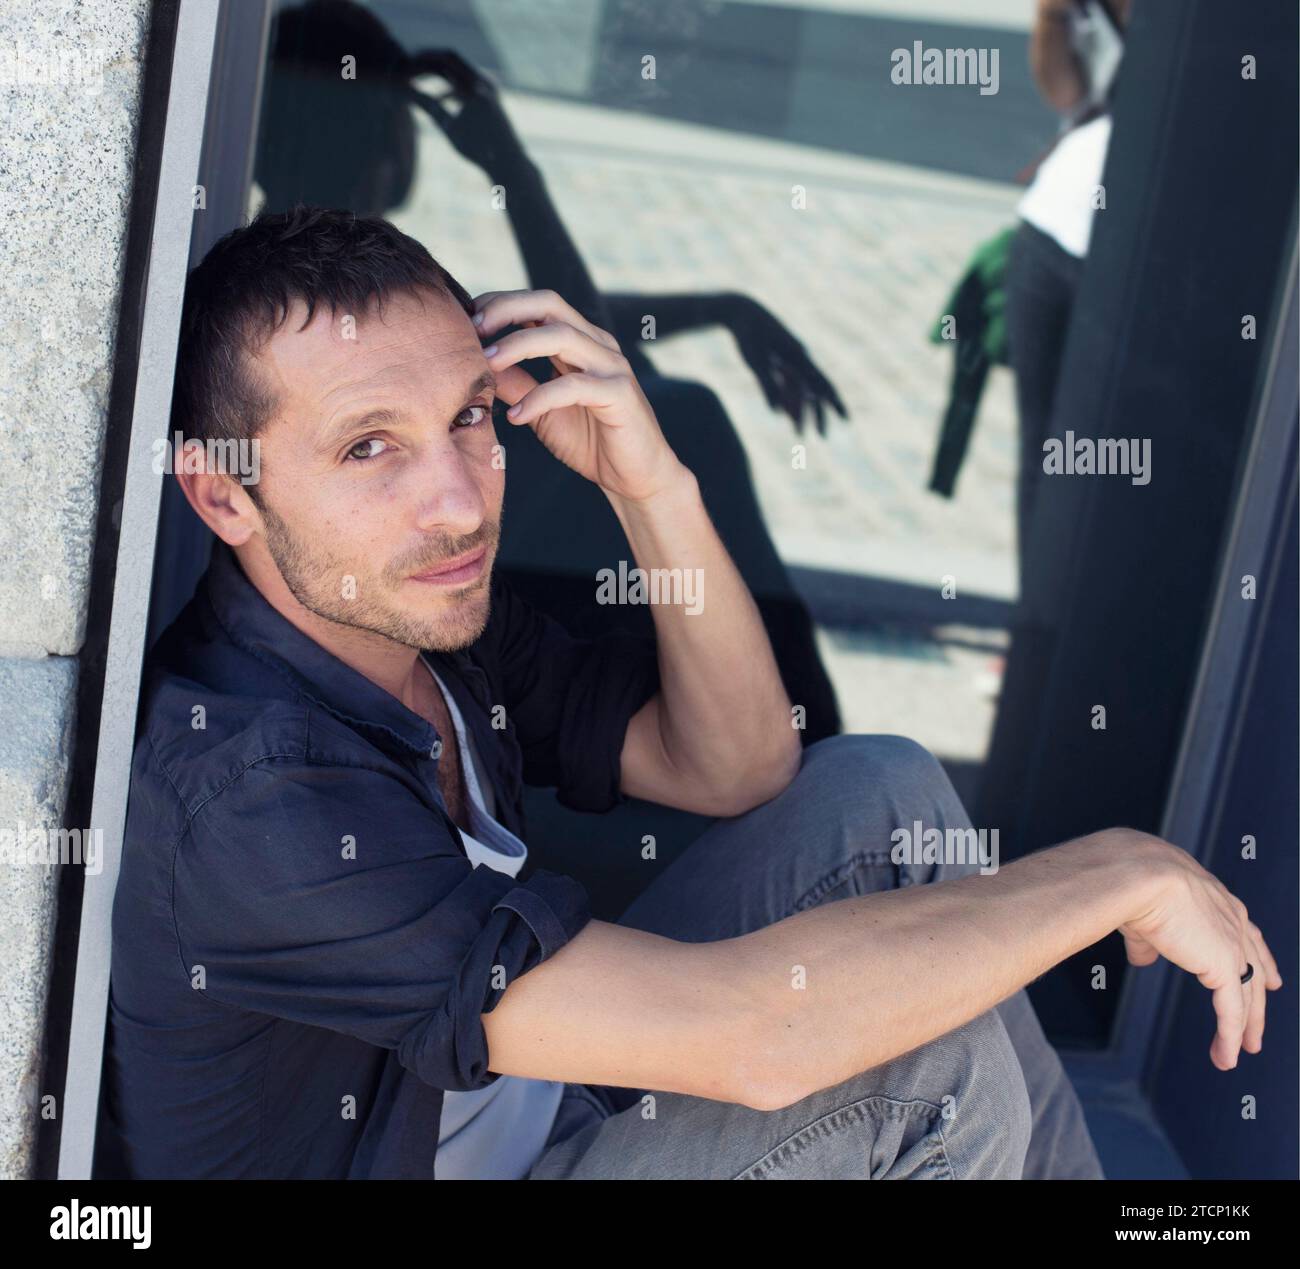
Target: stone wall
70,79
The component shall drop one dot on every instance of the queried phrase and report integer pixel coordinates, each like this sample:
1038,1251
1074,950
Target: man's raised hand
592,415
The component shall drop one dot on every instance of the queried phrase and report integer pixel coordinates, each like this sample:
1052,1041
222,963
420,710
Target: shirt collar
319,676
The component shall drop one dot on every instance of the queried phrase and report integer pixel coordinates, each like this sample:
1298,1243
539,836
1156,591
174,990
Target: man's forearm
852,984
726,718
718,738
770,1017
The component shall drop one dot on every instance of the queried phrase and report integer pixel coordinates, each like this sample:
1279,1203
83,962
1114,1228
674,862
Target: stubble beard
317,580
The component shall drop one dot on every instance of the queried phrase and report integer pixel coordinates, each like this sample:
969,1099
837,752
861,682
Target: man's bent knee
863,763
877,785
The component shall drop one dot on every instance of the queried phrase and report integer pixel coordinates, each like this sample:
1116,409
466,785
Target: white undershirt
497,1132
1062,198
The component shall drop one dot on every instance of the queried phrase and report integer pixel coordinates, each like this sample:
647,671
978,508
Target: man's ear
219,500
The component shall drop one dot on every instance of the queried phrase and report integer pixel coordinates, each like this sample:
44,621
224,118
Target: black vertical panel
1200,184
1259,798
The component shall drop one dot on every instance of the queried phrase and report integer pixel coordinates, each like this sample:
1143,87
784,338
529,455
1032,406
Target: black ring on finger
1249,974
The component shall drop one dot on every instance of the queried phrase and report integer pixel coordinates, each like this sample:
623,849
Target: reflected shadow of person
338,130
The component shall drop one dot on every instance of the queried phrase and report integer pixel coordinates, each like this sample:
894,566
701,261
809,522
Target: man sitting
328,958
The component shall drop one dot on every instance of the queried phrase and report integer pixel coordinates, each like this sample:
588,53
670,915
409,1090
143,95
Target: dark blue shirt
302,951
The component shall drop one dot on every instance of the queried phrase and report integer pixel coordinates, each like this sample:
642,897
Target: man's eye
362,449
477,412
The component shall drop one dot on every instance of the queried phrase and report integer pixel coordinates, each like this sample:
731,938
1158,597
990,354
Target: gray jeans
826,837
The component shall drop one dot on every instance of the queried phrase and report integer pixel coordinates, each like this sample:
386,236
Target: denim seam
821,1127
838,875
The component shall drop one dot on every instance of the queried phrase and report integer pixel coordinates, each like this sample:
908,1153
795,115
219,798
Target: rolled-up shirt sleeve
336,898
570,698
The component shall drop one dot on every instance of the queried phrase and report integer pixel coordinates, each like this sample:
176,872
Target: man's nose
447,496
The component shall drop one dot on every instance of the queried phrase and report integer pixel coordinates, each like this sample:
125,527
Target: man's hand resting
1192,919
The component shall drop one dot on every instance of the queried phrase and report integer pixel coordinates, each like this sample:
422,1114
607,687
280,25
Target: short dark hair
241,293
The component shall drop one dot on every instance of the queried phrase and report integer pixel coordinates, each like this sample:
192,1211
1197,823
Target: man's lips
462,569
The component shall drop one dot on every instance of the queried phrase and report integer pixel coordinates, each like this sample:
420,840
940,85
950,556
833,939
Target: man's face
378,469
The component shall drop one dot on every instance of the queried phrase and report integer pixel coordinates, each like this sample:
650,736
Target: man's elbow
768,1092
754,1032
765,1073
764,775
